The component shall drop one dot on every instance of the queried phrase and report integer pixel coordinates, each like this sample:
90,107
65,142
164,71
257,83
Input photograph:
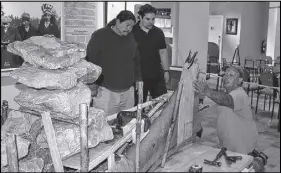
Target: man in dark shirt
114,49
25,29
154,56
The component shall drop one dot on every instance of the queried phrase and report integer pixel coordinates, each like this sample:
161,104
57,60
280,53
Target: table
196,153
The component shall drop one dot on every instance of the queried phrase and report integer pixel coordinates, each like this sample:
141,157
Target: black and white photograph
22,20
231,26
140,86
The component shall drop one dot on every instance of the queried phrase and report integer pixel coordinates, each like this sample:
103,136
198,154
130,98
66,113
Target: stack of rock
53,76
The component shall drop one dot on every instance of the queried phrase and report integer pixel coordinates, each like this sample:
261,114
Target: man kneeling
236,128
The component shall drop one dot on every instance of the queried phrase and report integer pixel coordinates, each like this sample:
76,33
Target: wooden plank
52,143
84,162
152,146
185,118
196,153
12,154
171,129
74,161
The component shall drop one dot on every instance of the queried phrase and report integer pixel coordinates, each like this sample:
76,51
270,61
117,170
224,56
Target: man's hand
201,87
166,77
218,97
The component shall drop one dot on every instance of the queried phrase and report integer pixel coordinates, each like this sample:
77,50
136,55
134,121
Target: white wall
277,37
252,27
228,10
272,26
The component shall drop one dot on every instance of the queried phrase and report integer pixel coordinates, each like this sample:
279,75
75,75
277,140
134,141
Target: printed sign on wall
79,21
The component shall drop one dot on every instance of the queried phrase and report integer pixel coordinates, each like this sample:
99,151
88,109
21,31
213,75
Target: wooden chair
268,79
277,60
268,60
260,63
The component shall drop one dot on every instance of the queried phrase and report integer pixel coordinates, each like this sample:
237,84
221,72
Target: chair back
249,62
266,79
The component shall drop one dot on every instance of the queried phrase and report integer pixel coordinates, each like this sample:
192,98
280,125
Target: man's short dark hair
145,9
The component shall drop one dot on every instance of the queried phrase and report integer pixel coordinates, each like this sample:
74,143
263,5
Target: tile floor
269,137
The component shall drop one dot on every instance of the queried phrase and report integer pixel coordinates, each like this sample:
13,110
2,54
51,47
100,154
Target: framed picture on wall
231,26
43,18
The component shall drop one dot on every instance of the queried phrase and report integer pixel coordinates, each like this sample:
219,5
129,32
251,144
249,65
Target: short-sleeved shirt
242,104
149,44
237,130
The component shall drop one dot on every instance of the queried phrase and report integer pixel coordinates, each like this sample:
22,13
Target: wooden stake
84,154
171,129
138,125
52,143
111,161
12,154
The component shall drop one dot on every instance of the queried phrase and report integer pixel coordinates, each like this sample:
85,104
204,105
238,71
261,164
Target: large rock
67,78
64,102
48,52
33,165
17,123
22,146
68,135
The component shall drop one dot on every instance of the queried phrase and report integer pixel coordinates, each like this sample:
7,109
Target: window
113,8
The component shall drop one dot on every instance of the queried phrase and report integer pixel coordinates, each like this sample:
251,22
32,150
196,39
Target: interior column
191,32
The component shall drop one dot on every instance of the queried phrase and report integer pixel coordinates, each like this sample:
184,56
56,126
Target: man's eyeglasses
5,24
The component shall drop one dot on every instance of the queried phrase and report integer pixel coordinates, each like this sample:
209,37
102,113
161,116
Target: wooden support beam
12,153
52,143
138,125
84,154
171,129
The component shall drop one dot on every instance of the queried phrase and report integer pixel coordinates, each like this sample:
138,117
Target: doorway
216,32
